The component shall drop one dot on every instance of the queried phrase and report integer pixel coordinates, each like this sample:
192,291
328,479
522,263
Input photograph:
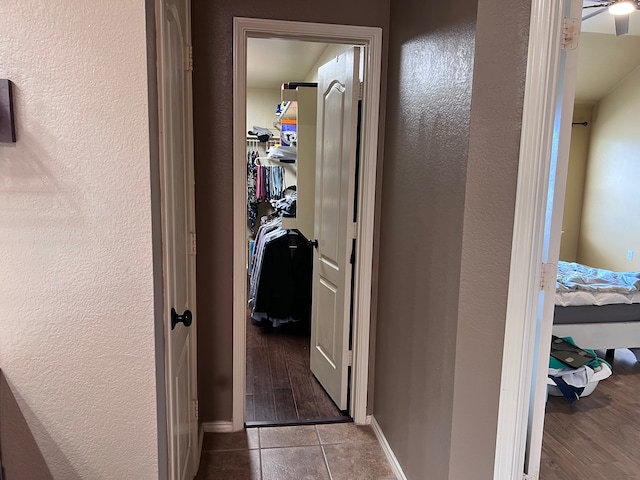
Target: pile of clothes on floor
574,372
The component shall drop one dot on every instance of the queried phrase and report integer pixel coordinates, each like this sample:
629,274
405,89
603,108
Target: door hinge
350,358
570,33
353,230
188,56
548,277
195,409
361,92
192,243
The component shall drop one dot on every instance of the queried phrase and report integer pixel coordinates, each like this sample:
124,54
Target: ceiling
272,61
604,59
604,23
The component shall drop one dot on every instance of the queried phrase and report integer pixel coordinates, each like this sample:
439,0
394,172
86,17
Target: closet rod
275,160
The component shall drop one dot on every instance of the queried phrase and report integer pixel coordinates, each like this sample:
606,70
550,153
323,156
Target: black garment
284,287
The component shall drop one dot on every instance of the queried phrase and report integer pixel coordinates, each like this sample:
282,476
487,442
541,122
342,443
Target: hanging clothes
265,183
252,199
268,181
283,291
271,228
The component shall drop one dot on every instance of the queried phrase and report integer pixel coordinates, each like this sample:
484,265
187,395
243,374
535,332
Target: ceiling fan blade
593,14
622,24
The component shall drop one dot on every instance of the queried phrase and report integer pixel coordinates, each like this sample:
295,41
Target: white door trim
527,326
371,38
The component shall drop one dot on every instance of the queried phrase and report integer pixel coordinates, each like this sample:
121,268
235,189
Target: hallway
338,451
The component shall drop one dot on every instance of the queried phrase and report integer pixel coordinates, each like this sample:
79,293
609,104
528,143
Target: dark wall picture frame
7,124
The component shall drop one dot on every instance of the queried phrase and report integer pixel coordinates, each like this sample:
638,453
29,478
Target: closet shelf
283,112
288,96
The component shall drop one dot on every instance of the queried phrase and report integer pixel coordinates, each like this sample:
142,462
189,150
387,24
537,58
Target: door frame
371,39
536,237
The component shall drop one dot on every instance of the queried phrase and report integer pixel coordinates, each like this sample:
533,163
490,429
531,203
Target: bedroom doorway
551,75
544,151
602,167
356,343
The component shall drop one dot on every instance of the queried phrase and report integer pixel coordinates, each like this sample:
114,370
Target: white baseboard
217,427
393,461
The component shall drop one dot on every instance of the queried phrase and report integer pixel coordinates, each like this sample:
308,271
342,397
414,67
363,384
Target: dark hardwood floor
280,386
598,437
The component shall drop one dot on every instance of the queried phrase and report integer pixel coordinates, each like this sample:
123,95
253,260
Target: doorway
284,384
536,236
605,102
551,82
370,39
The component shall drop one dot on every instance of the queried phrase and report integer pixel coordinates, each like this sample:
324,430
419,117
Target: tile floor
340,451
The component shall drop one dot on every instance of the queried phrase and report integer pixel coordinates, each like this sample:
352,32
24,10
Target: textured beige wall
574,196
610,225
76,302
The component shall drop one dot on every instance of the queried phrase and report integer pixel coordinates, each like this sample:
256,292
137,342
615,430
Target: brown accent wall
454,105
502,40
427,137
213,114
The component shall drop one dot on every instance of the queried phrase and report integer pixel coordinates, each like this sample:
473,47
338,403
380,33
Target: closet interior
281,145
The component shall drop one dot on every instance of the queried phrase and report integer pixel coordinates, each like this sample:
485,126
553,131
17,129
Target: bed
599,308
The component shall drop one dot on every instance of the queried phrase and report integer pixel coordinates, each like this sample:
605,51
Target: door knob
185,318
314,243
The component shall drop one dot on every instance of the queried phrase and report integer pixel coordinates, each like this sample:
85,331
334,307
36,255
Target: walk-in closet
282,100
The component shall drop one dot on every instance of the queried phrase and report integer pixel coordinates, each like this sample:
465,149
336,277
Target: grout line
260,460
326,462
279,447
230,450
315,427
324,455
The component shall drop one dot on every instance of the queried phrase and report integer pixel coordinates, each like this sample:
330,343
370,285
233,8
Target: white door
567,75
178,231
338,91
